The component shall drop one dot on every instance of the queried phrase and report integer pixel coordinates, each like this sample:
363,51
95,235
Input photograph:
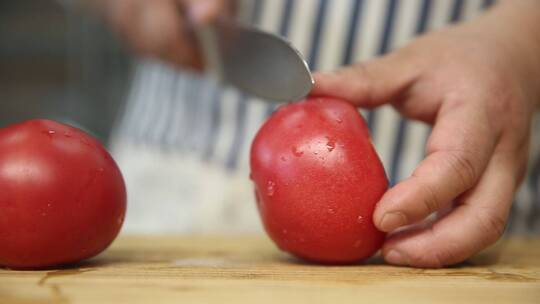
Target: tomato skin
317,180
62,196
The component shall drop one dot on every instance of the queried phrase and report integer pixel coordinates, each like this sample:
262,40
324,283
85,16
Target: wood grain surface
249,269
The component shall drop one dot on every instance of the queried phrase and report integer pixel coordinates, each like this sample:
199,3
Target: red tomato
62,196
317,180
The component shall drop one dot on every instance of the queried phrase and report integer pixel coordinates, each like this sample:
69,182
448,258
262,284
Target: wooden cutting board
251,270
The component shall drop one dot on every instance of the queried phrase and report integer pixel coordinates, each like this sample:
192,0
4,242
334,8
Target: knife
257,62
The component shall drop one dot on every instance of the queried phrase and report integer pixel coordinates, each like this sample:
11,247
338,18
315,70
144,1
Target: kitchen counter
249,269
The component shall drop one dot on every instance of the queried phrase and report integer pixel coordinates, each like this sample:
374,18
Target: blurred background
58,63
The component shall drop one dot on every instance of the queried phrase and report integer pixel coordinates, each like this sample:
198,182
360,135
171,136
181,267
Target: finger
458,151
475,224
206,11
157,29
368,84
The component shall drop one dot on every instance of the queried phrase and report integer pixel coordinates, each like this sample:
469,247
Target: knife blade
257,62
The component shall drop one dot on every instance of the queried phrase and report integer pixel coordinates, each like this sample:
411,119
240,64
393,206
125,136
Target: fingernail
199,10
395,257
392,220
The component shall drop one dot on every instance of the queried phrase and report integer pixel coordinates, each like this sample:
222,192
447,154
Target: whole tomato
317,180
62,196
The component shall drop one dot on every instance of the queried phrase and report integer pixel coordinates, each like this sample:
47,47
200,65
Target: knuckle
440,256
463,166
364,85
430,201
492,225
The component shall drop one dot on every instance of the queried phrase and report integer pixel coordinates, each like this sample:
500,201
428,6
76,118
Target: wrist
515,25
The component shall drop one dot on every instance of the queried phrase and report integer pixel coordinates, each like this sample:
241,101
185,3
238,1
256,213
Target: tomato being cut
62,196
317,180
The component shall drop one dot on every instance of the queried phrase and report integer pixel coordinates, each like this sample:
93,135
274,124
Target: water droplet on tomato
49,133
283,158
297,152
339,120
270,188
360,219
331,210
330,144
284,231
66,134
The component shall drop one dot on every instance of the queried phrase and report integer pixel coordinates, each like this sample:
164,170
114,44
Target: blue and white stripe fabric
191,121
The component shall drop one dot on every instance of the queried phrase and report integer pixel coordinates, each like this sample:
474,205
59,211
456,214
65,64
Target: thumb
368,84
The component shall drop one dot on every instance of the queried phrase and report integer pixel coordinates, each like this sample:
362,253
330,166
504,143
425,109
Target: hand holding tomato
477,84
62,197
